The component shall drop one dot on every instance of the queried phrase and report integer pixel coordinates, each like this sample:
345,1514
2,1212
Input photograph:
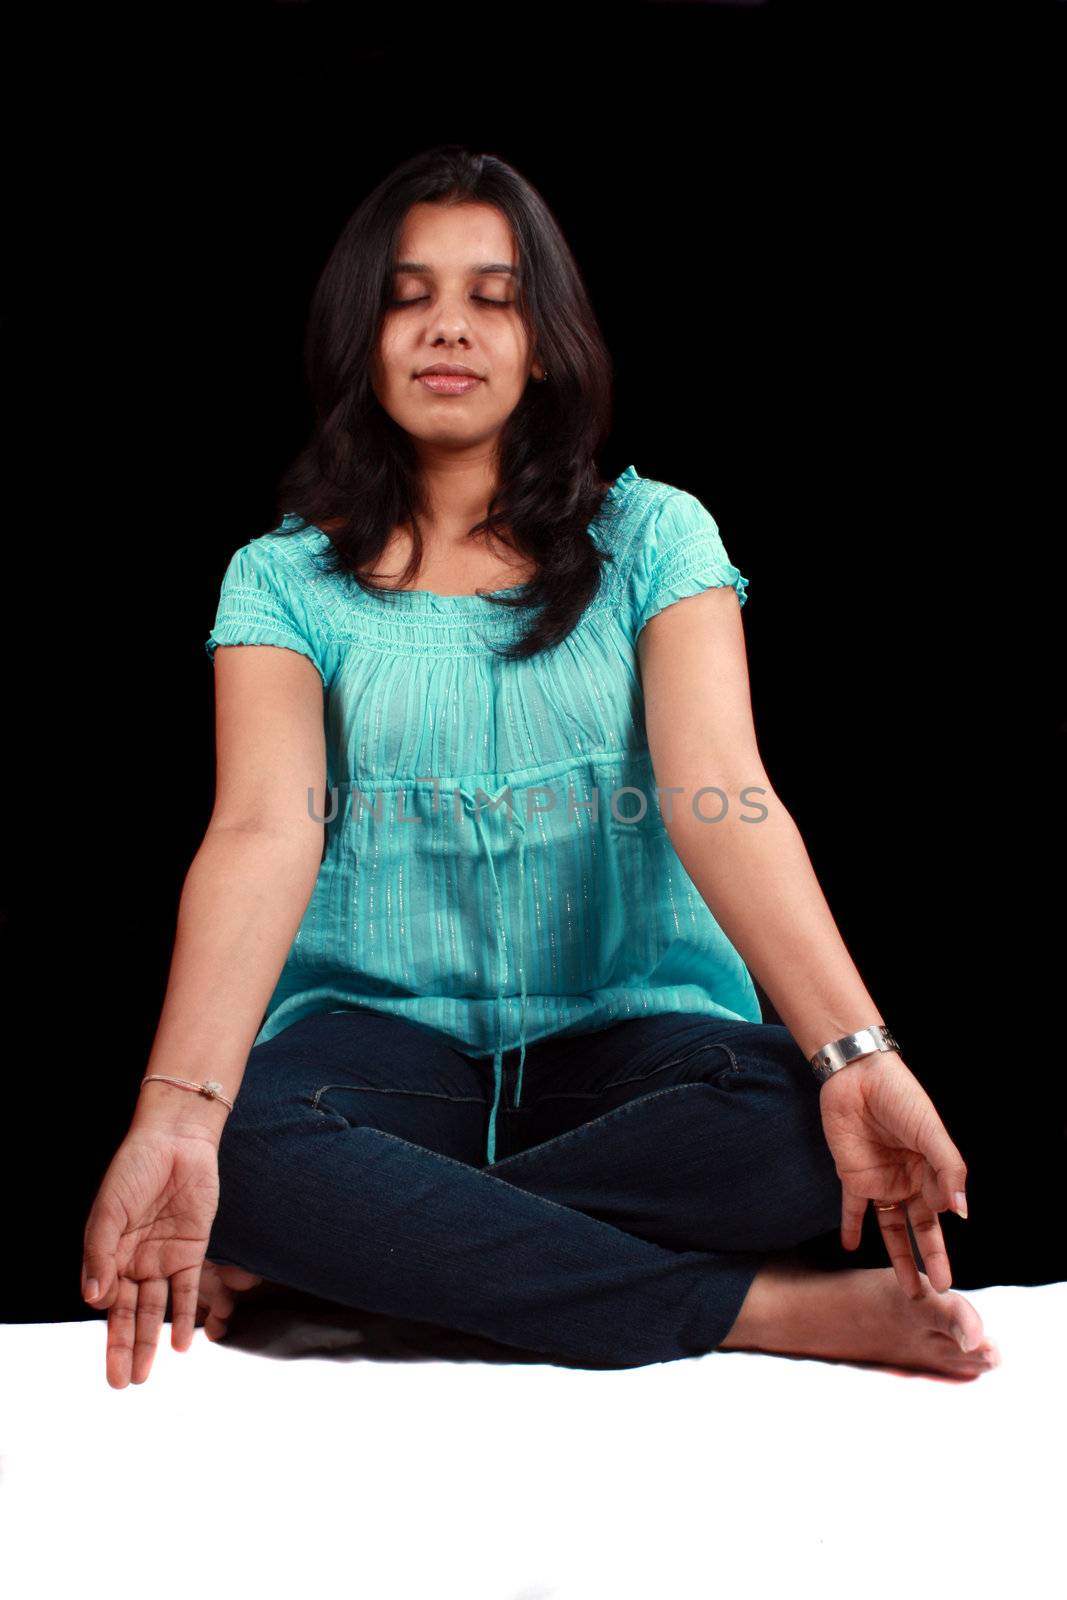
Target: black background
820,246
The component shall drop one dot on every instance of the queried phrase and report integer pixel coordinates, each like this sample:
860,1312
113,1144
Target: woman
486,1052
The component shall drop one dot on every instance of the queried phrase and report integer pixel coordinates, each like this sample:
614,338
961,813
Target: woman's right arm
242,902
249,884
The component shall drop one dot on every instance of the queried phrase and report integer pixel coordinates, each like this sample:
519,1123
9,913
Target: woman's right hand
149,1226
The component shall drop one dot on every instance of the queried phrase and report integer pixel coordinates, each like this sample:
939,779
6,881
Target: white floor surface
730,1474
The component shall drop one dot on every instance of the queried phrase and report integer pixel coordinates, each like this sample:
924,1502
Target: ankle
765,1308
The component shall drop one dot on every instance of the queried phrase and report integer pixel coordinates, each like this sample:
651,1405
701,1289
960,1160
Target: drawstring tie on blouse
471,804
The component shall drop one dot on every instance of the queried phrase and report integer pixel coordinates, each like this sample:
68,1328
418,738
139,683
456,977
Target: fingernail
961,1337
92,1289
961,1204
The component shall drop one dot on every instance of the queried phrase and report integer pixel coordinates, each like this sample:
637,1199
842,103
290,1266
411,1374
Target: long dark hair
359,471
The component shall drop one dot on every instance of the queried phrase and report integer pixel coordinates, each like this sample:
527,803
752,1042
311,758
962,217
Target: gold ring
893,1207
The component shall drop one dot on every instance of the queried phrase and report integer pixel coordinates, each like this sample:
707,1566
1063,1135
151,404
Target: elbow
303,846
709,799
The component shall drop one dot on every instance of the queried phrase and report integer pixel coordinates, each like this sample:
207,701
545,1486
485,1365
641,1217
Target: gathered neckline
429,599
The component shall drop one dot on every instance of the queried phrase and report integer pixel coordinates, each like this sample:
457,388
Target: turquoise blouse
496,865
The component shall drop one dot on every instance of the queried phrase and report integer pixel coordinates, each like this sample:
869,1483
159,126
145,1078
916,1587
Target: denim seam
617,1112
426,1094
484,1172
561,1094
619,1083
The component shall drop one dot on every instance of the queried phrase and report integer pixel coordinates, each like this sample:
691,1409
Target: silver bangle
840,1052
209,1088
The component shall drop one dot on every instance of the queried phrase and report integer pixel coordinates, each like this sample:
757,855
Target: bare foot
860,1314
220,1284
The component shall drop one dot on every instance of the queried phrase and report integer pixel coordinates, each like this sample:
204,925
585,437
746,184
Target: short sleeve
264,600
681,554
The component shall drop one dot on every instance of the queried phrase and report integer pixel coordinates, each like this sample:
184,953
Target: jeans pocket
728,1068
322,1107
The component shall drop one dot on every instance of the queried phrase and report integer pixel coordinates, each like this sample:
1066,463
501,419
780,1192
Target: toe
238,1278
224,1303
958,1318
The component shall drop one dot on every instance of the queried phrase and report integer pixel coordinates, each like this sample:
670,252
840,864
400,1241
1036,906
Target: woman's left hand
889,1144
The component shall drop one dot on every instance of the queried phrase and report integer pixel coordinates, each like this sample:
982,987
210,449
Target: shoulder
654,518
283,560
670,546
292,546
272,593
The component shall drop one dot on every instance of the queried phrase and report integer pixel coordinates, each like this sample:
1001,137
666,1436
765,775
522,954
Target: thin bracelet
211,1089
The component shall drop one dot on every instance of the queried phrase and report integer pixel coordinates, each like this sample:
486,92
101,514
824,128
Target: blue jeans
649,1171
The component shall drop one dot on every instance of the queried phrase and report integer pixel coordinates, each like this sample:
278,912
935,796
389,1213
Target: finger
120,1324
184,1295
151,1309
930,1243
99,1248
948,1172
853,1211
894,1226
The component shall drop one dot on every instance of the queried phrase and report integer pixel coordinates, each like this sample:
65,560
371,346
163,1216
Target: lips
448,382
449,368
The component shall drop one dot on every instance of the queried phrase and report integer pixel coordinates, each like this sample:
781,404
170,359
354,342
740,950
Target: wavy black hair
359,472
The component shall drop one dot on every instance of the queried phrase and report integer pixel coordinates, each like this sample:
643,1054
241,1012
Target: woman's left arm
753,872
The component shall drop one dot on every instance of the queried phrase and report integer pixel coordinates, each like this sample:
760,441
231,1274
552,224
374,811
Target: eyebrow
476,272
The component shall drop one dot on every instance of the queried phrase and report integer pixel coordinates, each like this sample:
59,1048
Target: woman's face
451,310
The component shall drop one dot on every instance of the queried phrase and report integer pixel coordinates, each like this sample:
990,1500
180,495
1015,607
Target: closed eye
486,300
